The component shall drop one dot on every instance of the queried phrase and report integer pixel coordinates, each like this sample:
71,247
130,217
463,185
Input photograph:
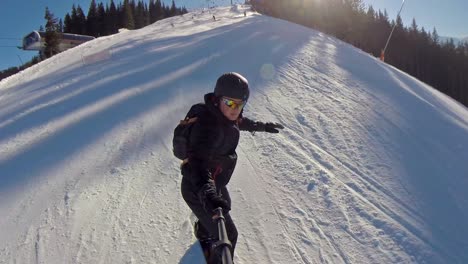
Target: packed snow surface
372,166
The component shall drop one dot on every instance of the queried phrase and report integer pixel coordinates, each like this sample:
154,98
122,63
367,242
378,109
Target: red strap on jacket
217,171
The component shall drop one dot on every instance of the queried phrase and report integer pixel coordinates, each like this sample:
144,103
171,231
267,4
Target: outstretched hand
273,127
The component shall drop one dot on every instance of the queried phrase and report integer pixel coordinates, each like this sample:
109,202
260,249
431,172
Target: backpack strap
185,161
184,122
188,120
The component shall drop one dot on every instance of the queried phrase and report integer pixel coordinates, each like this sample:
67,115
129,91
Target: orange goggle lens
232,104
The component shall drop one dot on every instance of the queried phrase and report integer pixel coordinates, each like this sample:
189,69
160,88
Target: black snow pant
204,217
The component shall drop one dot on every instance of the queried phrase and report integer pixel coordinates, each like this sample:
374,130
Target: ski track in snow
325,162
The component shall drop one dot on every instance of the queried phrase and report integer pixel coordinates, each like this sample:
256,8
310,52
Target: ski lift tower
382,53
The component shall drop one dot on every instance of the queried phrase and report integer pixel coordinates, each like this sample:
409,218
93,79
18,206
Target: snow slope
371,167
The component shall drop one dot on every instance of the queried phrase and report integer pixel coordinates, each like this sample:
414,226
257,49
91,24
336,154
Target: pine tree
173,10
74,23
60,26
67,28
166,11
80,21
112,18
140,15
52,38
152,13
128,20
92,20
159,11
101,21
414,27
435,37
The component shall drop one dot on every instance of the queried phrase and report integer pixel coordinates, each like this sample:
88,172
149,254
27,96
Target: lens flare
267,71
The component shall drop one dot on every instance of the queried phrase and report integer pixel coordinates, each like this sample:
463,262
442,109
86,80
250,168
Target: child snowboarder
211,154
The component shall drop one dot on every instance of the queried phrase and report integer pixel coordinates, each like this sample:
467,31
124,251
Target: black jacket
212,148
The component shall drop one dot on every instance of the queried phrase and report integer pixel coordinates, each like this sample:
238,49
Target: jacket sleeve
246,124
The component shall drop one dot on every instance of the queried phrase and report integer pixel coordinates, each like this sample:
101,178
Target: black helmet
232,85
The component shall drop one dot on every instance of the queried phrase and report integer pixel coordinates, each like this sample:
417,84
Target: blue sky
449,16
16,20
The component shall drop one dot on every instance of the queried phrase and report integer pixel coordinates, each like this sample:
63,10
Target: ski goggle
233,104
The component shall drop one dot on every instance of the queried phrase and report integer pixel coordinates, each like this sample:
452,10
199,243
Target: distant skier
211,154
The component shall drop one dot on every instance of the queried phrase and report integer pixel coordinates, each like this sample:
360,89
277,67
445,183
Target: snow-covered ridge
371,167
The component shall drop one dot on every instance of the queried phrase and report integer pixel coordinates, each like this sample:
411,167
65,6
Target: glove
218,201
273,127
211,200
